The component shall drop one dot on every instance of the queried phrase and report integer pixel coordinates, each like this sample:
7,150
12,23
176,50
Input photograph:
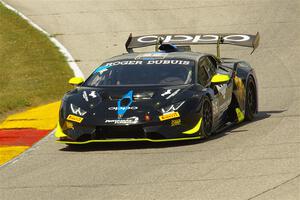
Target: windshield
142,72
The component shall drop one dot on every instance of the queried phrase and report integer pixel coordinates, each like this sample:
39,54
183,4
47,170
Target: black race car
167,95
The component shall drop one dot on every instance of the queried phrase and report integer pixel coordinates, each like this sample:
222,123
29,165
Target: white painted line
73,65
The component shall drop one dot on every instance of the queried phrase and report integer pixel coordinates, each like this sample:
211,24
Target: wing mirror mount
75,81
220,78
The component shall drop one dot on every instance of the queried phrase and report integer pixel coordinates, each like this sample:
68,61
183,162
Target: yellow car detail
74,118
59,133
195,129
240,115
220,78
130,140
175,122
76,81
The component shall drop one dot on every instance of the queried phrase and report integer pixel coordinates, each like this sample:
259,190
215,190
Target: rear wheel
251,100
207,119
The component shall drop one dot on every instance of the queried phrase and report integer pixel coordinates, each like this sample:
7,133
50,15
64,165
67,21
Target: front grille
103,132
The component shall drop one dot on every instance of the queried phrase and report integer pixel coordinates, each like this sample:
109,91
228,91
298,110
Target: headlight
173,107
77,110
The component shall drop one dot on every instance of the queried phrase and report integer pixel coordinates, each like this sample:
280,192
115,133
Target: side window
206,69
213,62
210,66
203,77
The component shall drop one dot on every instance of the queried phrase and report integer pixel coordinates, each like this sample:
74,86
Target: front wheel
251,100
207,119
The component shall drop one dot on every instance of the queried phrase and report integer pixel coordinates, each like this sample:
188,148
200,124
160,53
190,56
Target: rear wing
245,40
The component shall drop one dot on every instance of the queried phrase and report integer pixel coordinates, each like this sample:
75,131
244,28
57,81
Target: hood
108,104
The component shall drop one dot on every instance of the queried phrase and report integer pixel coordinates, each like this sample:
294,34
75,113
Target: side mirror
220,78
76,81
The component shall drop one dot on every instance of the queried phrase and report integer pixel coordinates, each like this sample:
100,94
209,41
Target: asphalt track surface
258,160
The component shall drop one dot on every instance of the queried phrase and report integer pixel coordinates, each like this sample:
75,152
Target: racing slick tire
207,119
251,100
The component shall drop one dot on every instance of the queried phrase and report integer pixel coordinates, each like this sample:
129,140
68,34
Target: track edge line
70,60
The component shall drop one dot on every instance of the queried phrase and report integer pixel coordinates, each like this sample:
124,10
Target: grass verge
32,70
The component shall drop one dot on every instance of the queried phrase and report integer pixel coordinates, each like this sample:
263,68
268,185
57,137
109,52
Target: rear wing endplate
245,40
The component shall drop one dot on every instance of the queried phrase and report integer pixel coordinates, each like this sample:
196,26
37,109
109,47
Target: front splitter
129,140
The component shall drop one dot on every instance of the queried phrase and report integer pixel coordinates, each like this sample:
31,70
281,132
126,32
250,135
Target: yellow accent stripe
9,152
240,115
59,133
42,118
195,129
131,140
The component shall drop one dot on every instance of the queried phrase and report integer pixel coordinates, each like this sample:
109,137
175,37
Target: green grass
32,70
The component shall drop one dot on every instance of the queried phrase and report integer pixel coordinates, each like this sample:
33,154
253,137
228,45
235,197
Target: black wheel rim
207,118
251,99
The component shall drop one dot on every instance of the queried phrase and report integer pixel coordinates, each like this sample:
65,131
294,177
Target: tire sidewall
202,132
249,115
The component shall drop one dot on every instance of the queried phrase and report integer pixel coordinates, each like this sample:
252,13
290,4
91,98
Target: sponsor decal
193,38
125,62
74,118
168,116
167,62
86,96
166,92
144,62
93,94
121,110
173,94
77,110
222,89
175,122
130,120
172,108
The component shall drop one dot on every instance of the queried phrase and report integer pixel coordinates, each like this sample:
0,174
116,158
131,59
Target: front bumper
154,133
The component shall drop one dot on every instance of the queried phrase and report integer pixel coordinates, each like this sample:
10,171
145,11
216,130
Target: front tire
207,119
251,100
